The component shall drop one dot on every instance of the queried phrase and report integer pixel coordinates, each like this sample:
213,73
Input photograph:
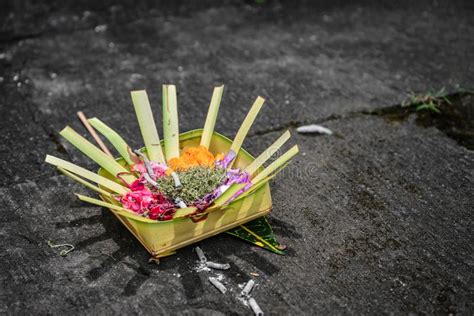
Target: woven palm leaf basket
185,187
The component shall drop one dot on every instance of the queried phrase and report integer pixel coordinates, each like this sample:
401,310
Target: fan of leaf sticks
186,187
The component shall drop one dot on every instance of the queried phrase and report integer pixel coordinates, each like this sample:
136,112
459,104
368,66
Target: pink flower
137,201
138,167
138,184
161,213
159,170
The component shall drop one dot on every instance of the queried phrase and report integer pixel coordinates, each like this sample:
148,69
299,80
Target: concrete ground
377,217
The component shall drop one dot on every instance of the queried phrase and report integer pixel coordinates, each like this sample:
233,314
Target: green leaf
226,196
147,125
270,151
259,184
211,116
282,160
260,233
84,173
118,209
94,153
115,139
170,122
245,127
84,182
426,106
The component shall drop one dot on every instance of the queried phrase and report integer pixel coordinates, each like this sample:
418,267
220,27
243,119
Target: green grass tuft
429,101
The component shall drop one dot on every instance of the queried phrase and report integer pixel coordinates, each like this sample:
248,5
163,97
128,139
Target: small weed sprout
429,101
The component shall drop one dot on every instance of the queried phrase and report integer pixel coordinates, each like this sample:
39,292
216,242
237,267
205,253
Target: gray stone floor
377,218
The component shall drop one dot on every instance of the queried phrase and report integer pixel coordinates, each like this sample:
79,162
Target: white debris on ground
248,288
218,285
247,300
205,265
254,306
218,266
218,281
313,129
201,267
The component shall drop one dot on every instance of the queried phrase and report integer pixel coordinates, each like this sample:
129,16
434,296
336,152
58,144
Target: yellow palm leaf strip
259,184
147,125
226,196
211,116
118,209
89,175
184,212
244,128
84,182
115,139
91,130
170,122
270,151
94,153
276,164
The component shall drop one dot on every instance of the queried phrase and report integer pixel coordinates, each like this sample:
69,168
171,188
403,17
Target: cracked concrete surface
377,218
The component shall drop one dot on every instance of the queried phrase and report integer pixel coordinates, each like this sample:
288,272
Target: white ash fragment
200,254
218,285
255,308
180,203
201,267
313,129
177,182
217,266
243,300
248,288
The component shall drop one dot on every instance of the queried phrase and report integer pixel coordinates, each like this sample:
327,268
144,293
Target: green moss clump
196,183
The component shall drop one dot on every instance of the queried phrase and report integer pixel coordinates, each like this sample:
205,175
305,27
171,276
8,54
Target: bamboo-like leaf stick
246,124
84,173
257,185
115,139
226,196
276,164
270,151
211,116
119,209
94,153
170,122
147,126
91,130
84,182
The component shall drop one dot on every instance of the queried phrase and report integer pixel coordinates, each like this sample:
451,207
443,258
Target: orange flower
192,157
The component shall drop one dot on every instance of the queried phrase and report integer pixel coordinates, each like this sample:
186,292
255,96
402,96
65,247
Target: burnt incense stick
177,182
248,288
217,266
254,306
150,180
200,254
218,285
91,130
